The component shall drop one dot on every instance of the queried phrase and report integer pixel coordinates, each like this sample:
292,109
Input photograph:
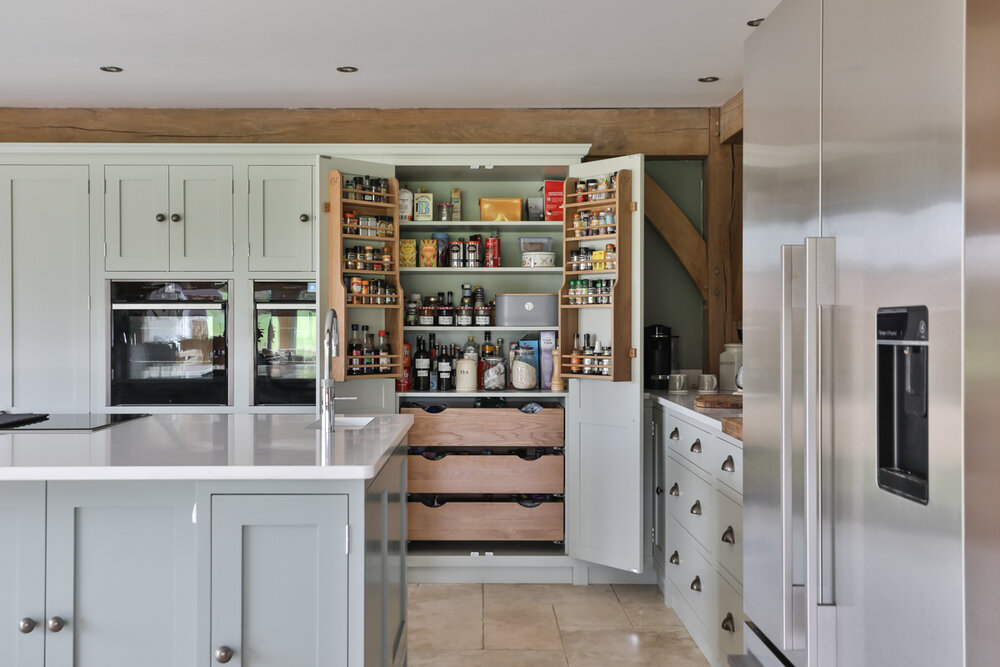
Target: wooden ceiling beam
682,237
680,132
731,121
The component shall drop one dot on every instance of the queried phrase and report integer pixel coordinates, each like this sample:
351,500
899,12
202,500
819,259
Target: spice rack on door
617,314
359,308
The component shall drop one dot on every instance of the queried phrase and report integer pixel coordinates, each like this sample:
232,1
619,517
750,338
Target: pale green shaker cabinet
282,222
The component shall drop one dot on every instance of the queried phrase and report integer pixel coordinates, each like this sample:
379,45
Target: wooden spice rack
351,313
619,311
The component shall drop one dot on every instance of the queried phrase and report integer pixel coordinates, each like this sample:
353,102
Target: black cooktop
63,422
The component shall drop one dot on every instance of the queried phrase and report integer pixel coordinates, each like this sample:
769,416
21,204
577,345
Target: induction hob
72,422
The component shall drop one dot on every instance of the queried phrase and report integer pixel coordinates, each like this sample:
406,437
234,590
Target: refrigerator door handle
820,280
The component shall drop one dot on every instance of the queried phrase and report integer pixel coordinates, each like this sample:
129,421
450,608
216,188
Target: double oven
171,343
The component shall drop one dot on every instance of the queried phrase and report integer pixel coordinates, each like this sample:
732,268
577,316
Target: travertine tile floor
545,625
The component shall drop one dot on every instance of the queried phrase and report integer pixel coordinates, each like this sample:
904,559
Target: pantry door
604,443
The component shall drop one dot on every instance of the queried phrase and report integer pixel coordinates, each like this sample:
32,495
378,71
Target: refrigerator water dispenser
902,386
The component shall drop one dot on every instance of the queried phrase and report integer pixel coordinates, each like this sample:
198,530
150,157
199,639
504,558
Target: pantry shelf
476,394
425,270
438,329
455,225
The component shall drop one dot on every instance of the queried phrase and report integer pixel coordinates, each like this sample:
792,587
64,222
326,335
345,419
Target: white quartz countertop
203,446
684,403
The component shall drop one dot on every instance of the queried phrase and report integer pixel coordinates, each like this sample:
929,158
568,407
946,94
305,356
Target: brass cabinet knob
696,585
56,624
675,434
26,625
728,624
223,654
729,465
729,535
675,558
696,446
696,508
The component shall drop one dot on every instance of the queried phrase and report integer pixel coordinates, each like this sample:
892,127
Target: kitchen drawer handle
696,585
728,623
696,508
160,217
56,624
304,218
26,625
675,434
176,217
729,535
729,465
696,446
659,490
223,654
675,490
675,558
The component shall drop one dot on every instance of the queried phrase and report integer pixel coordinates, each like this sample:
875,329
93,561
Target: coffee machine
657,356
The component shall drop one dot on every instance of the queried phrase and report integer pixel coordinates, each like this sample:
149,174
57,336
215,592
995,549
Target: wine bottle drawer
484,521
463,427
470,473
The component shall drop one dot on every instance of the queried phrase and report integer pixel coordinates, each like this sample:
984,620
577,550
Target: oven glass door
285,370
169,354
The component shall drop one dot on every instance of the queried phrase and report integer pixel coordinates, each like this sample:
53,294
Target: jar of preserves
444,211
411,309
463,315
482,315
446,316
427,314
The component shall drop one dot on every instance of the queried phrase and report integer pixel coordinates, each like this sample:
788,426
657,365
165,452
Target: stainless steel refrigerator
871,322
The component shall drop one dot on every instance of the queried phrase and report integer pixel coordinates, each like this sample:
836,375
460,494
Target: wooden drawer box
484,521
464,427
470,473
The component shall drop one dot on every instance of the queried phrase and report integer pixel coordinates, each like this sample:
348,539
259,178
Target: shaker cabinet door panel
279,579
22,573
201,236
136,218
280,239
120,563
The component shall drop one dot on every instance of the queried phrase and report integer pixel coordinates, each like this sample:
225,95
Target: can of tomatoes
493,251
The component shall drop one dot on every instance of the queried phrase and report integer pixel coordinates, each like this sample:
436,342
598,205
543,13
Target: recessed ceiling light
347,69
708,79
111,68
754,23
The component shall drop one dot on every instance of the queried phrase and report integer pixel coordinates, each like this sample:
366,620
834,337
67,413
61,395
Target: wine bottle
421,367
446,375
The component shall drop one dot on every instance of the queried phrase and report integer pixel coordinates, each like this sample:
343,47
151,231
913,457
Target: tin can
456,254
493,251
408,253
428,253
355,284
473,254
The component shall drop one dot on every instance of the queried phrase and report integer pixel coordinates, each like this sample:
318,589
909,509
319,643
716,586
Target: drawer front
469,473
729,614
465,427
727,464
484,521
691,501
693,576
691,443
729,535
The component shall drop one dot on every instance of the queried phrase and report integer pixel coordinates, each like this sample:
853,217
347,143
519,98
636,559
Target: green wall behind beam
670,296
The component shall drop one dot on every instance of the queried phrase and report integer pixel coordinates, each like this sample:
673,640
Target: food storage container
499,209
531,310
538,259
535,243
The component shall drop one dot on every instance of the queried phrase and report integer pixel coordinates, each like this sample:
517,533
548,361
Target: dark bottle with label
446,371
384,361
486,350
421,367
432,350
354,352
368,351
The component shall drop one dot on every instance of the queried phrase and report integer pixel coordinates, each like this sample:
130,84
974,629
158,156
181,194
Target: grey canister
527,310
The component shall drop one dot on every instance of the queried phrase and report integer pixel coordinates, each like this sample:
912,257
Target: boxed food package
536,211
527,310
553,201
456,204
423,206
547,344
500,209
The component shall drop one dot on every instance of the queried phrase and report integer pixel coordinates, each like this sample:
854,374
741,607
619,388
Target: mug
708,384
678,383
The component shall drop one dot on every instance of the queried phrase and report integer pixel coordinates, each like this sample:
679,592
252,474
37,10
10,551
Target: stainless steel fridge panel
781,207
982,322
892,190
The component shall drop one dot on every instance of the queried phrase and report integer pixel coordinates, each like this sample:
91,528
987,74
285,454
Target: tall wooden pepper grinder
557,381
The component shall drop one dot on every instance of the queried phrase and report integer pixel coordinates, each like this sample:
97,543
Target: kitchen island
181,540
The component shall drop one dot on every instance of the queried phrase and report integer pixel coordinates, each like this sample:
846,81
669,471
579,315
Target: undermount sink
346,423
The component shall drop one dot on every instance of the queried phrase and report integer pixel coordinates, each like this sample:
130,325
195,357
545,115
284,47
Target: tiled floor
543,625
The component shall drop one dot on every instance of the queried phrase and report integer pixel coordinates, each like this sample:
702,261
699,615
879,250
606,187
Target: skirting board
431,569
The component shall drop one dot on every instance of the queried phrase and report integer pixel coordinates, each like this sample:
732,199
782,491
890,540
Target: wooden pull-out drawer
464,427
458,520
471,473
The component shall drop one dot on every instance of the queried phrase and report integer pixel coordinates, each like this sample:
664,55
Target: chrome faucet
331,350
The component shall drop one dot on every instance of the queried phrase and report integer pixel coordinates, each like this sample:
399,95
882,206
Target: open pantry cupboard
511,496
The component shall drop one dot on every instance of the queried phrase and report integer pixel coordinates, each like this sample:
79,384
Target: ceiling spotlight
111,68
708,79
754,23
347,69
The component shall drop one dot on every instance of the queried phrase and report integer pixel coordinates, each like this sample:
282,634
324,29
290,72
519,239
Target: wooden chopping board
733,426
731,401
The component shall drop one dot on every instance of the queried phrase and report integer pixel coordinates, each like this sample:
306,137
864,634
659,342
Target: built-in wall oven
169,343
286,345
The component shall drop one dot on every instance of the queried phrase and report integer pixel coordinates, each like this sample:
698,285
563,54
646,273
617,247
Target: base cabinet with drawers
698,529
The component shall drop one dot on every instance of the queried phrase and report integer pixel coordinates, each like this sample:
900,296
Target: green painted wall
670,296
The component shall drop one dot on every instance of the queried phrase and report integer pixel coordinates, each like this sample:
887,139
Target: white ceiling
436,53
